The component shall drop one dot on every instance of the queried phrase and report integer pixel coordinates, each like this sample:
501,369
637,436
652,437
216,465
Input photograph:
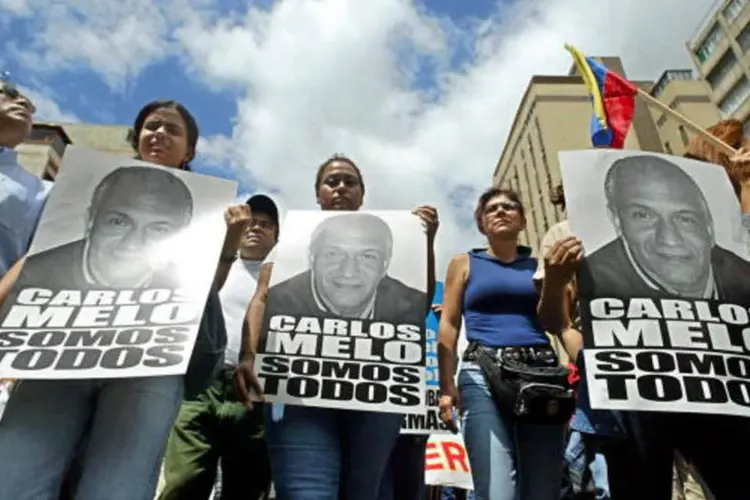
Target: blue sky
421,93
81,91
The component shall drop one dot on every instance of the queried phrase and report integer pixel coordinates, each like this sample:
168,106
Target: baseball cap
264,204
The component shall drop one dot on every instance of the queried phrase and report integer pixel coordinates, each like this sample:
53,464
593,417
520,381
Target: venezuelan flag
613,98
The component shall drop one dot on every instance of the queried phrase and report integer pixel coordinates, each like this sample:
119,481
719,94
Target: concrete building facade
42,151
555,114
720,50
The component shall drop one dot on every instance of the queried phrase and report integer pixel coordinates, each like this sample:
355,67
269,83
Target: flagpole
714,141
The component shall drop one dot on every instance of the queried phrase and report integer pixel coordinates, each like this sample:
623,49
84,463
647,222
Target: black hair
192,126
341,158
494,192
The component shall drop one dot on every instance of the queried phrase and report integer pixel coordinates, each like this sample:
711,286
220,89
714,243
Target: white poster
447,462
665,284
117,274
345,313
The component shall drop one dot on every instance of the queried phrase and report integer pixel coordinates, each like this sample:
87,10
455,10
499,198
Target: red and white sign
447,463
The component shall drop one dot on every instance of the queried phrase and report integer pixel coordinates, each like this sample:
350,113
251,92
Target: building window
726,64
743,39
735,97
734,9
668,148
683,135
708,47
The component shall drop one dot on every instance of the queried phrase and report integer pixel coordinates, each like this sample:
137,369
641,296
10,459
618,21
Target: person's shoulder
396,288
294,284
54,265
722,257
606,252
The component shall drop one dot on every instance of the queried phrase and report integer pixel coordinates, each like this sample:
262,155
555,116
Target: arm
430,272
10,278
237,218
253,324
571,339
450,320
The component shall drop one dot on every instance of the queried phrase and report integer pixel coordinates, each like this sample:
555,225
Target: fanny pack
528,382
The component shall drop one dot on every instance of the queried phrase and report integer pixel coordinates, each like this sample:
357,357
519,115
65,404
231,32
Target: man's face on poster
129,235
667,226
348,265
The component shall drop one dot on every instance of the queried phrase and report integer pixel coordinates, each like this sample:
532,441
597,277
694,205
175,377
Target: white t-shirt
235,297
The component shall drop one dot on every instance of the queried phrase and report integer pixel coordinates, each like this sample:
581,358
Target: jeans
211,426
509,460
585,466
126,423
404,476
323,453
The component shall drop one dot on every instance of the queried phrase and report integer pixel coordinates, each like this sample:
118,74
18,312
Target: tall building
721,51
42,151
555,115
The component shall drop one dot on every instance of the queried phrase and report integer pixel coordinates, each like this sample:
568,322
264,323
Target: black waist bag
534,394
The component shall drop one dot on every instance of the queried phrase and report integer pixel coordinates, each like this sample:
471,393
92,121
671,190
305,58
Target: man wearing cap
214,425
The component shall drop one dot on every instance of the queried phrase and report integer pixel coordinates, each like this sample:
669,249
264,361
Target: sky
420,93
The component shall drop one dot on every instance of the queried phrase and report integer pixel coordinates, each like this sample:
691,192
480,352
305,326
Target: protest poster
665,283
345,312
117,274
447,462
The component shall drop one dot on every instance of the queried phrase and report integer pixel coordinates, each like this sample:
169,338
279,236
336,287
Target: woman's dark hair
192,126
491,193
341,158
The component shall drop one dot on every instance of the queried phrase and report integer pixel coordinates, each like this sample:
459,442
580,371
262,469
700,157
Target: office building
555,114
721,52
42,151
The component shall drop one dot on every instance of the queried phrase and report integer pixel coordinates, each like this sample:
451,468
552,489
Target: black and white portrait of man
349,259
132,221
665,241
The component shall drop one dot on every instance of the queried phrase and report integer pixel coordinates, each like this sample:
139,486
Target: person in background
214,425
493,289
116,428
22,194
323,453
585,465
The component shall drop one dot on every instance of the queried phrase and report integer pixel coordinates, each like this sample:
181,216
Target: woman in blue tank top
492,289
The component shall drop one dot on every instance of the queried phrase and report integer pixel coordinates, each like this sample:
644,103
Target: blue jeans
586,466
323,454
509,460
126,423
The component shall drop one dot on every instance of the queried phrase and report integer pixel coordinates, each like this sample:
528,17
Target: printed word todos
340,381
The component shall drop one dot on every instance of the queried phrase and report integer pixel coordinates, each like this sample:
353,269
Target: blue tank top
500,300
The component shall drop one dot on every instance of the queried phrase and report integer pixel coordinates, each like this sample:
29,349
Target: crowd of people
112,438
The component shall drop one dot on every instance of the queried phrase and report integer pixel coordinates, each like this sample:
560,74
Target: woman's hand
449,400
429,216
561,261
246,382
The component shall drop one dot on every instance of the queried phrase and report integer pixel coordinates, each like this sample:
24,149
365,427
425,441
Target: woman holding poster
514,453
118,426
322,453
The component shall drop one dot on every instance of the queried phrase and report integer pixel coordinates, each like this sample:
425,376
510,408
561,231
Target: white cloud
325,77
47,109
343,76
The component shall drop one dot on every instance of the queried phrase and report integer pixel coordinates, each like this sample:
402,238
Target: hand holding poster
665,287
345,312
117,275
